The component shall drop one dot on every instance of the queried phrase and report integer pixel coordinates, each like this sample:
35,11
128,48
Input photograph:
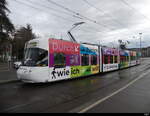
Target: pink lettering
55,46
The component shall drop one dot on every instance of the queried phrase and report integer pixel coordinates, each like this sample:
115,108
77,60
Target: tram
54,60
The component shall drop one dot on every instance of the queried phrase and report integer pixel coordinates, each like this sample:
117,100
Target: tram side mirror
17,64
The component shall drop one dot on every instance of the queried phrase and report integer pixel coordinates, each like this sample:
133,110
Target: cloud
116,20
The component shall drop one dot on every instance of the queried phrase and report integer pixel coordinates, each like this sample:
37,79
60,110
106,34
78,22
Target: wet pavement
7,73
75,95
134,99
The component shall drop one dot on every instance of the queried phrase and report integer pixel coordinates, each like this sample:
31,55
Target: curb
8,81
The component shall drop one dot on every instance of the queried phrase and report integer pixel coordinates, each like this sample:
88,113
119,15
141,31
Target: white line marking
14,107
118,91
20,105
17,106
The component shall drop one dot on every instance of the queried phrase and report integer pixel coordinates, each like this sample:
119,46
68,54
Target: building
145,51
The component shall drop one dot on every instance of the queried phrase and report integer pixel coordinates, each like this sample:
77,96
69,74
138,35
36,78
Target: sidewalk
6,74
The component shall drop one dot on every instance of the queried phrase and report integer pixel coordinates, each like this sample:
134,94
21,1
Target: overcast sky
106,21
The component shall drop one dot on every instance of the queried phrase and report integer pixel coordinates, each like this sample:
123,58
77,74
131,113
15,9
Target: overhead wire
124,2
55,10
79,14
101,11
39,9
59,11
86,30
127,4
79,17
63,12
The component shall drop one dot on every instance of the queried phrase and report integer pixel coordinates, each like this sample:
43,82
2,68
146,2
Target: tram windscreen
35,57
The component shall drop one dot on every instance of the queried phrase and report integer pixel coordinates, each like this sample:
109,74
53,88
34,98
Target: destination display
59,46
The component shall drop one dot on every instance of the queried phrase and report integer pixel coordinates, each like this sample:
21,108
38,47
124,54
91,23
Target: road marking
14,107
111,95
20,105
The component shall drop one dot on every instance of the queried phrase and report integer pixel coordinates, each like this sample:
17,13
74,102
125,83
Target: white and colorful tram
55,60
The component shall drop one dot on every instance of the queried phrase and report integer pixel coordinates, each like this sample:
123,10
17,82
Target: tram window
132,58
116,59
35,57
74,60
122,59
111,60
105,59
127,58
93,60
85,60
42,59
59,60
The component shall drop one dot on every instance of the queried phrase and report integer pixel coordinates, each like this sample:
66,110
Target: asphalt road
7,73
124,91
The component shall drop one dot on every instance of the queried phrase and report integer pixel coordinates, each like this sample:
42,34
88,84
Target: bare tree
6,28
21,36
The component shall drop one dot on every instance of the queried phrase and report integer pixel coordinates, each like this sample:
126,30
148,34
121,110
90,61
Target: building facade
144,51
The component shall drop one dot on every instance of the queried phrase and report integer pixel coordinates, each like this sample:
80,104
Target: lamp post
74,26
135,43
140,43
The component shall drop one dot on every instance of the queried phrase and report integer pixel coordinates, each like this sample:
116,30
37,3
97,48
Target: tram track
94,91
107,86
111,82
